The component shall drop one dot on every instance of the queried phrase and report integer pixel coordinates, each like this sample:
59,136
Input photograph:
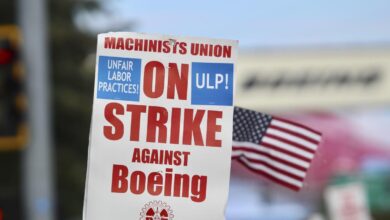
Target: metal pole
37,162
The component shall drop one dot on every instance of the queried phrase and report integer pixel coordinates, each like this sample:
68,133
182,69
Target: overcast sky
263,23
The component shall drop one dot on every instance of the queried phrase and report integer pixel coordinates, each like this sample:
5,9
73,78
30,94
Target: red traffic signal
13,128
6,56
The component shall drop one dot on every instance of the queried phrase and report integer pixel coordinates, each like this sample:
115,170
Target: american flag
276,148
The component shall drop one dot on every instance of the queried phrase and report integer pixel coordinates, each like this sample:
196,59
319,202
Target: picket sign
161,130
347,201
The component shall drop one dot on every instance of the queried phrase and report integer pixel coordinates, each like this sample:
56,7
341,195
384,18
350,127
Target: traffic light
13,102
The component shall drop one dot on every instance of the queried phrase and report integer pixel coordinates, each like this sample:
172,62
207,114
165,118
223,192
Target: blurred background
322,63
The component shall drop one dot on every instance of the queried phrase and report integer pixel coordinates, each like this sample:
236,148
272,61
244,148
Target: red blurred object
5,57
1,214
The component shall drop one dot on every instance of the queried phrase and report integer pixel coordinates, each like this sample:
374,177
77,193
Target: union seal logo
156,210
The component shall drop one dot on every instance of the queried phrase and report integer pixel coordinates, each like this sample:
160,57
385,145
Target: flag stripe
279,167
275,155
276,170
292,148
303,165
276,148
296,134
282,180
271,172
297,124
297,128
286,152
242,152
290,143
301,143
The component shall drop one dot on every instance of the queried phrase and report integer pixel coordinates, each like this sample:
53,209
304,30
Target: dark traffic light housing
13,102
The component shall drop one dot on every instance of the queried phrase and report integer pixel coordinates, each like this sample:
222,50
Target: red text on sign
157,184
154,80
158,118
164,157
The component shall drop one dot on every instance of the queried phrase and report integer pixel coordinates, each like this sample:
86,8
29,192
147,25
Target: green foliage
72,87
7,12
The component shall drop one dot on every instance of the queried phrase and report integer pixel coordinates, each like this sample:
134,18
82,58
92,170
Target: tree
72,87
